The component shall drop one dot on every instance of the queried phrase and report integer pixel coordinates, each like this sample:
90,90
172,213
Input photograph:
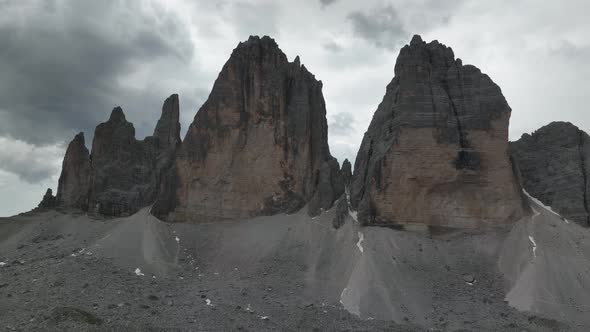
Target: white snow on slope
360,243
534,246
353,215
342,295
548,208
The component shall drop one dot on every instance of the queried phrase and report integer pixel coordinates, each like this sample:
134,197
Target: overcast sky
65,64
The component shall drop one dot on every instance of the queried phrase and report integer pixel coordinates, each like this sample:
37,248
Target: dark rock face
553,163
74,181
258,145
436,152
168,133
48,201
122,174
168,128
126,173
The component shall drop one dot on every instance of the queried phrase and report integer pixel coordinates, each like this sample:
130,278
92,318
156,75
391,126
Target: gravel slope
287,272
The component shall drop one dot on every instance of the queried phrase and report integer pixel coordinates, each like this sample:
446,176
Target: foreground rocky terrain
64,271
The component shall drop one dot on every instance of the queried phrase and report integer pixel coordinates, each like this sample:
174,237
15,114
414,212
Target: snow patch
548,208
79,252
138,272
537,213
534,246
264,317
2,264
353,215
359,244
342,295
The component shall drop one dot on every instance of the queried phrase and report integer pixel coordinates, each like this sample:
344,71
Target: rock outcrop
168,127
122,174
554,164
436,151
74,181
48,201
346,172
258,145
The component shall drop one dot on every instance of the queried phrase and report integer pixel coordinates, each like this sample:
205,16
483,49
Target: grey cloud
63,64
425,15
341,124
572,52
332,46
327,2
31,163
255,19
381,27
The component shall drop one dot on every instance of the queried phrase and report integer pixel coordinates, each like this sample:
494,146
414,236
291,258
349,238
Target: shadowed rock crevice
436,151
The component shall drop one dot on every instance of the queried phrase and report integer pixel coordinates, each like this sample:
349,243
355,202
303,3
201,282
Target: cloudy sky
65,64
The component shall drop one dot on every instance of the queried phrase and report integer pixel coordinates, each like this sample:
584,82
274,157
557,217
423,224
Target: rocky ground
65,271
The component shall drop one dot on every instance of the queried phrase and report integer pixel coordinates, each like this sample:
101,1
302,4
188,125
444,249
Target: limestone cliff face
74,181
436,151
258,145
553,163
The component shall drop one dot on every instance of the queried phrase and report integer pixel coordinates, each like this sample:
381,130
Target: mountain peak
117,115
416,40
168,127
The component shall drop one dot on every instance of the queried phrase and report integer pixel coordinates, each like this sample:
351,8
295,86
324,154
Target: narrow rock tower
259,144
